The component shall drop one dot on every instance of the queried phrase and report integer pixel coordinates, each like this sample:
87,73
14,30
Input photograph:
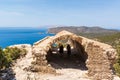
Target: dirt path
67,74
23,63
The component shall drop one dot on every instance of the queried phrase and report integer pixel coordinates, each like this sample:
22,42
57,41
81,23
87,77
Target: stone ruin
98,57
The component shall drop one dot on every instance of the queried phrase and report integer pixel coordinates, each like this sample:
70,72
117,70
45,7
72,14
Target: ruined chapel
98,57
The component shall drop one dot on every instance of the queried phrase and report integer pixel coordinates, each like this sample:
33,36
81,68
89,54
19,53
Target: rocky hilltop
40,63
81,29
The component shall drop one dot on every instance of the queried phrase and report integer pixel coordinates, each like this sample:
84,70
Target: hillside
112,39
82,29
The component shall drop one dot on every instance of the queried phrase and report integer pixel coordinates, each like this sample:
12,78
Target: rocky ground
69,73
70,70
67,68
22,64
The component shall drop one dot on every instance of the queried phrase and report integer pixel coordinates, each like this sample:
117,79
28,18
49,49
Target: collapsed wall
99,59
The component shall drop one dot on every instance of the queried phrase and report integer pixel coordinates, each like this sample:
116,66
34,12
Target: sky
36,13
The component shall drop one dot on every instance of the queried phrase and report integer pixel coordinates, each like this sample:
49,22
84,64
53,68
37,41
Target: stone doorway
76,60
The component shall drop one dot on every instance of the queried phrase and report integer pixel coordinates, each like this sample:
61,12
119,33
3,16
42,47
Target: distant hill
112,39
82,29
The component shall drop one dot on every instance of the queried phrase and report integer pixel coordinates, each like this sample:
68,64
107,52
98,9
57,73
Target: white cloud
14,0
16,13
11,13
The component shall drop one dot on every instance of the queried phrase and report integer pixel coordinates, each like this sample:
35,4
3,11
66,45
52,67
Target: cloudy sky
34,13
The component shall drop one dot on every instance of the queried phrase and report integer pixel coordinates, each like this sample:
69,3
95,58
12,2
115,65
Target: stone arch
79,51
76,42
100,56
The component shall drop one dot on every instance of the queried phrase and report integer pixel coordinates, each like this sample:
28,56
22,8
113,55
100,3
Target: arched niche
78,54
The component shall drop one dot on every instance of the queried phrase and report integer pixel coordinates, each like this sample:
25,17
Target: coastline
13,36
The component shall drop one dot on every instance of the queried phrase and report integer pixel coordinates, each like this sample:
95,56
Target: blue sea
11,36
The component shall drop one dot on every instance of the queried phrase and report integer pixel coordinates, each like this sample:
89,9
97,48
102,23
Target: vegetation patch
9,55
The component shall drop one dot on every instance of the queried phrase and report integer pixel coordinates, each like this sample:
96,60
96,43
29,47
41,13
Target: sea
21,35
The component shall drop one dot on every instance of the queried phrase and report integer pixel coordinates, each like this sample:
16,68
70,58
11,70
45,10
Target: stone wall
39,63
100,61
100,57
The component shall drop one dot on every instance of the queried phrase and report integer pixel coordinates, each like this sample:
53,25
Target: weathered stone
99,57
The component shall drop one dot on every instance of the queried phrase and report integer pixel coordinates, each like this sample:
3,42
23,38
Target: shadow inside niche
59,62
7,74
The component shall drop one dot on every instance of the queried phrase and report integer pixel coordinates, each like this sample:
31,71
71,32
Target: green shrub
9,54
117,68
117,64
2,59
14,52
